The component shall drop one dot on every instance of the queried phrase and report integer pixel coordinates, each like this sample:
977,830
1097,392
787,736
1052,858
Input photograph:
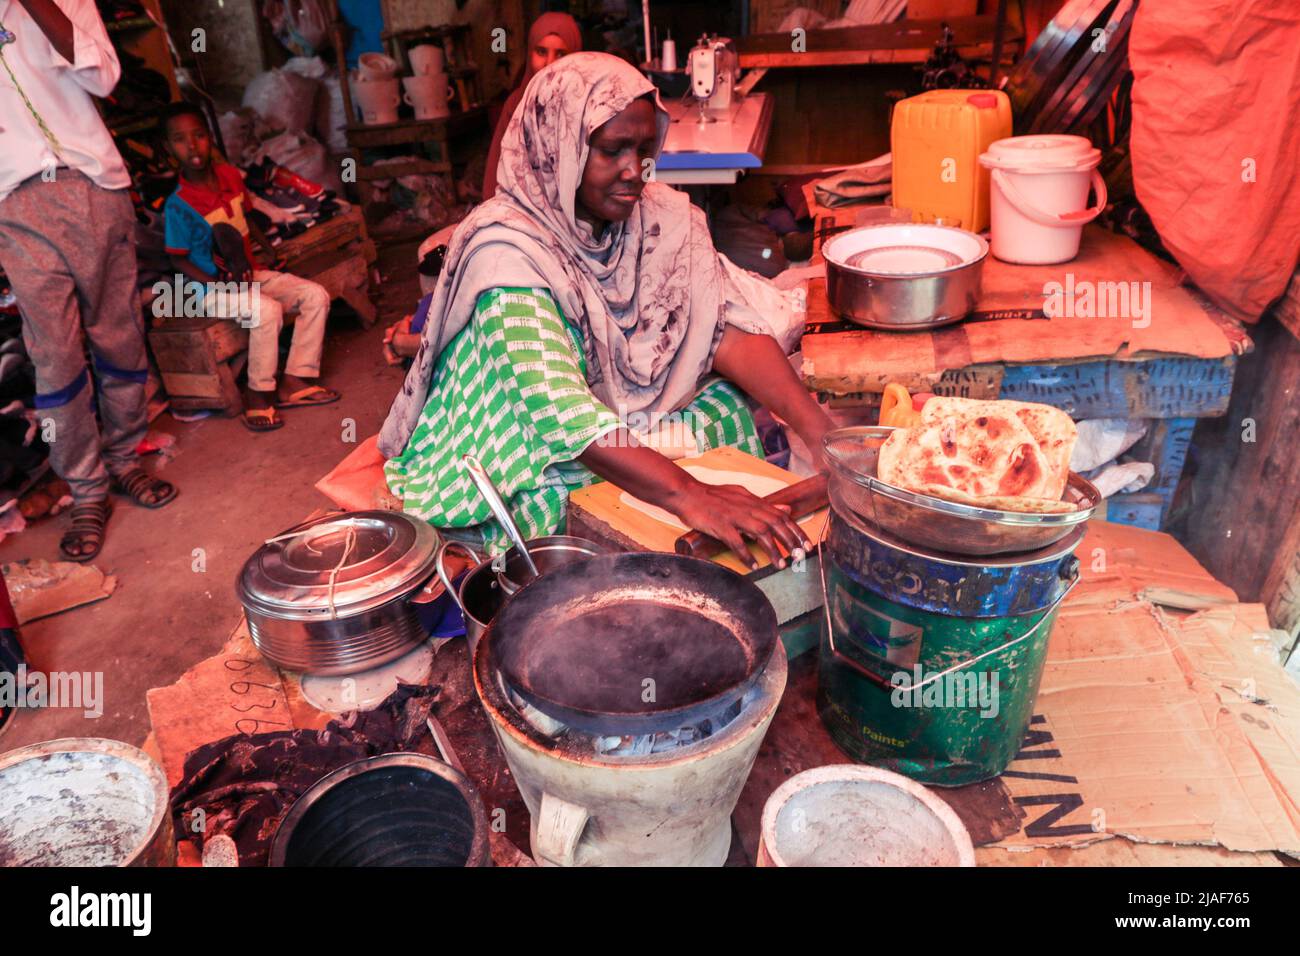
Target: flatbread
1008,456
1052,428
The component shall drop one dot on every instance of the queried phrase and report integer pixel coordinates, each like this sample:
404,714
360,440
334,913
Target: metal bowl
548,553
931,522
881,298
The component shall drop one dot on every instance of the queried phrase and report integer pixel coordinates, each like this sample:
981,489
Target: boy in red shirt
208,236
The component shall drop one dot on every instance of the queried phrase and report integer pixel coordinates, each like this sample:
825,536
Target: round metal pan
935,523
634,643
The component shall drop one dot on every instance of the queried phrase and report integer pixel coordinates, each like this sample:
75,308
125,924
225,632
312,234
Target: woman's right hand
732,514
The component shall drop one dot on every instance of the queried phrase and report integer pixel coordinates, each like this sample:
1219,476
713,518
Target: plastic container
1039,197
936,139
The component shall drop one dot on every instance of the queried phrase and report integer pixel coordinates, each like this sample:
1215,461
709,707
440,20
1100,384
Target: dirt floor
237,489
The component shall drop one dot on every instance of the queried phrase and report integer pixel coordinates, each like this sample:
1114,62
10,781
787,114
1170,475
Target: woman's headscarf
650,295
561,25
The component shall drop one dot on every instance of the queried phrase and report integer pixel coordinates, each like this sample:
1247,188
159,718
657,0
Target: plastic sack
1216,87
238,133
303,155
285,100
331,115
312,67
1104,439
301,26
357,482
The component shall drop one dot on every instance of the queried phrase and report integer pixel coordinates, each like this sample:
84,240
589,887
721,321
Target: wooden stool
199,360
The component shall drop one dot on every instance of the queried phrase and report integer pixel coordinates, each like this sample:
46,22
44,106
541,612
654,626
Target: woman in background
552,36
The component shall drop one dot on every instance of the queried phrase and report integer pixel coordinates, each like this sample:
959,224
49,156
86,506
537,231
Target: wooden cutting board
599,513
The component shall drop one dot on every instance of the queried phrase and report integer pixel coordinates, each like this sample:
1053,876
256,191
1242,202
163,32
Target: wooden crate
337,254
199,360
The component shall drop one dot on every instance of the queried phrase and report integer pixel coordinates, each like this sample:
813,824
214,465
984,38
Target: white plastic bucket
1039,196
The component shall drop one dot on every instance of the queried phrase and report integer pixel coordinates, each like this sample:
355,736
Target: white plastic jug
1039,196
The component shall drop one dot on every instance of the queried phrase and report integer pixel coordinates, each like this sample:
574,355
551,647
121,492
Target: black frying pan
635,643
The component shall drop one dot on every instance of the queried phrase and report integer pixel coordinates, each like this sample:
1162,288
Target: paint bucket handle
1069,571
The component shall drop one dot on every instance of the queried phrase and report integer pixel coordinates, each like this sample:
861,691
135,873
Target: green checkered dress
511,389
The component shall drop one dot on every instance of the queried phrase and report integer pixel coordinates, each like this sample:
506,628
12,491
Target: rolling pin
803,498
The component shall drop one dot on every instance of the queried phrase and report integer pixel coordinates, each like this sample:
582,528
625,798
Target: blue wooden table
1176,368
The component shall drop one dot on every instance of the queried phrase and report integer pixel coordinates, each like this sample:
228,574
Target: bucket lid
1049,152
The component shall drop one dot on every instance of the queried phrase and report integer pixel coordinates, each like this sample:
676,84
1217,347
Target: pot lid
354,562
1041,153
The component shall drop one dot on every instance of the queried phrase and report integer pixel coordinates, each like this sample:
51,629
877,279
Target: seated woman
580,300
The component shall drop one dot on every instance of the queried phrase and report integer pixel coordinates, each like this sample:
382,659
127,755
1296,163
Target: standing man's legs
68,249
110,308
43,226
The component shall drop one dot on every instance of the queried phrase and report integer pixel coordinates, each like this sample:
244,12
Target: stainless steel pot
84,802
334,595
904,301
486,586
548,553
479,595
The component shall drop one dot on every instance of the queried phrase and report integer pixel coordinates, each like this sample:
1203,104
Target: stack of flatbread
1009,456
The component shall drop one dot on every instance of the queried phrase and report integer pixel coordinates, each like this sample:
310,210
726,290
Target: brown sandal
87,528
143,488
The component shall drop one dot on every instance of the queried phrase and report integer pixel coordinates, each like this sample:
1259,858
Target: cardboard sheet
39,588
1161,318
1157,726
234,691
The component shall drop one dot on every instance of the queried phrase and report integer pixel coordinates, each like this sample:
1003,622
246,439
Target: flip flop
261,419
311,395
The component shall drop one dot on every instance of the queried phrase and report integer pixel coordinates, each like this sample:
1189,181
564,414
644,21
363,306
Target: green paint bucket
930,663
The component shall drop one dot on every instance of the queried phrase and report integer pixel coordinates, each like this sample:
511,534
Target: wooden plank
598,507
1244,506
905,41
206,387
225,339
414,167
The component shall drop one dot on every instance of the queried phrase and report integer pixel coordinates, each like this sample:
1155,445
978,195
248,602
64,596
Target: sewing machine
711,67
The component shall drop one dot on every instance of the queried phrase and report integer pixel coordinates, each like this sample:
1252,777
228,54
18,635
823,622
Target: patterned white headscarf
650,295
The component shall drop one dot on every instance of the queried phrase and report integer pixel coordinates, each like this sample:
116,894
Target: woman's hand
732,514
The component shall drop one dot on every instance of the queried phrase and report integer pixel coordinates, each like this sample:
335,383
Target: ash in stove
633,745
